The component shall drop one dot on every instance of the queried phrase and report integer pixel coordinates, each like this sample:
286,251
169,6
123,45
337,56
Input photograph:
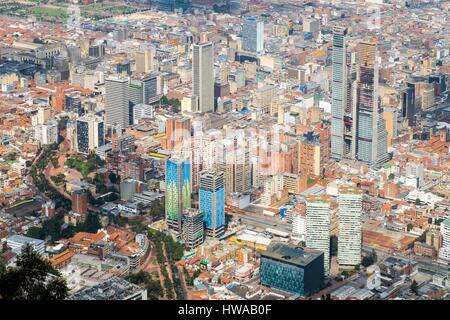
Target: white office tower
444,252
203,76
142,111
299,225
338,93
117,99
47,133
318,227
253,35
350,210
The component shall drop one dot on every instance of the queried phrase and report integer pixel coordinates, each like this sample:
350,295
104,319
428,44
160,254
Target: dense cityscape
224,150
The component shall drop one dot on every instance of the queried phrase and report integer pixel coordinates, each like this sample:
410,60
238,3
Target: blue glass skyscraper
212,202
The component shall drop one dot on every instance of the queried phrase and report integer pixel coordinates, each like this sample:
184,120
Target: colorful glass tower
178,191
212,202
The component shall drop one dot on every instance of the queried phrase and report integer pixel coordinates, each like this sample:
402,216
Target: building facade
293,269
178,191
193,229
117,102
90,133
318,227
444,252
253,35
203,76
212,202
350,211
338,92
369,127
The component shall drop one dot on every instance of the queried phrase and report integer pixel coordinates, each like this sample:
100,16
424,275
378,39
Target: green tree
157,209
164,100
409,227
113,178
92,223
137,226
391,176
35,232
138,278
417,202
32,279
2,264
84,170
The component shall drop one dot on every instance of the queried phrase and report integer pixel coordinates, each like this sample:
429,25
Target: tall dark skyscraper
408,102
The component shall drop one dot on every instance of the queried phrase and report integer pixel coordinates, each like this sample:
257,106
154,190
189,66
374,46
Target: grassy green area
49,12
85,166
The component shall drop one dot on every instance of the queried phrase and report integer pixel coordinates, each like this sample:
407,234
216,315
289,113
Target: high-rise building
178,190
73,103
311,162
212,202
117,102
123,68
369,127
434,239
90,133
97,51
120,35
237,168
408,103
299,225
444,252
350,211
143,111
338,93
203,75
178,133
48,209
390,116
80,202
144,61
253,35
318,227
291,268
311,25
132,166
47,133
123,143
145,90
193,228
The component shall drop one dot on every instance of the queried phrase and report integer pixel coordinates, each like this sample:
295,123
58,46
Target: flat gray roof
291,254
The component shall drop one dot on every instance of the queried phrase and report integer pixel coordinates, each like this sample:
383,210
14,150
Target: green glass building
178,191
291,268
